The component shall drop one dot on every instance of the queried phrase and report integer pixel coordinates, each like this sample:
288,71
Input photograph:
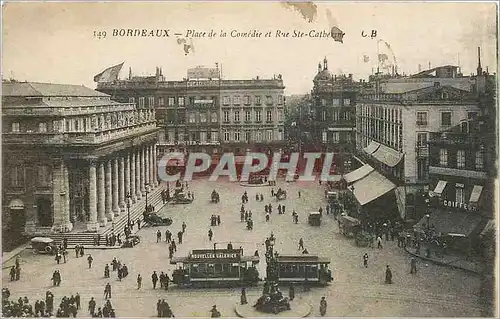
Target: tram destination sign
228,254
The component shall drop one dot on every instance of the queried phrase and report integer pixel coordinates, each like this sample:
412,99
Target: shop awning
450,222
440,187
490,227
476,193
372,147
388,156
372,187
358,174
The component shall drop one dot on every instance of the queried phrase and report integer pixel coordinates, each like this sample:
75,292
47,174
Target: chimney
479,68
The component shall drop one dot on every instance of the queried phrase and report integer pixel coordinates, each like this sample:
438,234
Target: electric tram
299,269
215,267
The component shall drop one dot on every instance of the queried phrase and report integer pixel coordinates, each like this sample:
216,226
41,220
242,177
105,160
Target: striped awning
372,147
440,187
388,156
358,174
476,193
372,187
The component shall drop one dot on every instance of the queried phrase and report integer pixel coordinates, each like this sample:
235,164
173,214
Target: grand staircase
136,210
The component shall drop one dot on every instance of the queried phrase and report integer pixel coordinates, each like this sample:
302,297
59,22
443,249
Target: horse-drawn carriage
153,219
214,198
349,226
280,194
180,198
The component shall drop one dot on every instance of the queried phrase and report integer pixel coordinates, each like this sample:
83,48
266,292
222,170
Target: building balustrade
187,143
66,111
97,137
215,84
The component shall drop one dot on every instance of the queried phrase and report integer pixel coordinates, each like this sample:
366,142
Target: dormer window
15,127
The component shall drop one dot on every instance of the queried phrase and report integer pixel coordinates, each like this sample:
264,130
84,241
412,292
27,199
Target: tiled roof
47,89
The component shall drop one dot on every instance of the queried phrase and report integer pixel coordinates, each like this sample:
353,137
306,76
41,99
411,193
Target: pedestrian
64,254
301,244
77,251
413,266
218,220
159,308
243,298
98,239
174,246
291,292
179,236
106,271
267,217
365,260
158,236
58,258
139,281
283,209
107,291
299,194
92,307
242,216
379,242
154,279
210,234
77,301
90,259
13,273
322,303
388,275
184,226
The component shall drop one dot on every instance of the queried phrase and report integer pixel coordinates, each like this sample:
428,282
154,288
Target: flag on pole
110,74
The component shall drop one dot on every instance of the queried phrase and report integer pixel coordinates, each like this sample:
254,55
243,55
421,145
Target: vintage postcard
249,159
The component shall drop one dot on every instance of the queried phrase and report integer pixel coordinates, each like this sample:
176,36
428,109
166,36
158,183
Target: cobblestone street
355,290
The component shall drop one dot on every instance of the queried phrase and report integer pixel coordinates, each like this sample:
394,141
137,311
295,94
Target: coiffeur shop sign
463,206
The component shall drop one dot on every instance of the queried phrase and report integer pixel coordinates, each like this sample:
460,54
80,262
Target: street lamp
146,186
128,209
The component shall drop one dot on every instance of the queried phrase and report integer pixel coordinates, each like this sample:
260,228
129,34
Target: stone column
92,223
58,196
68,224
109,199
155,166
121,188
116,203
143,166
101,193
151,168
132,177
146,166
127,177
137,175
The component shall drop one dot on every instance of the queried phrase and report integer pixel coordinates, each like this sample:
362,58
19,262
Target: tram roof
297,259
190,260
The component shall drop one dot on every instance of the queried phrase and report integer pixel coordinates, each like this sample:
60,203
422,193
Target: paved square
355,291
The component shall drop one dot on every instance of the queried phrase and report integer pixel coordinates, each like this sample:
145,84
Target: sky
55,42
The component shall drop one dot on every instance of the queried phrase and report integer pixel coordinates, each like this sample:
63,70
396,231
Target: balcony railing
422,151
454,138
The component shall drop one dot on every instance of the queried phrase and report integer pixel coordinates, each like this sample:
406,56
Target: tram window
203,268
218,268
194,268
283,268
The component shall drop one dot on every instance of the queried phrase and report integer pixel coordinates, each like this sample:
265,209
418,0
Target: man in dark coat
154,279
388,275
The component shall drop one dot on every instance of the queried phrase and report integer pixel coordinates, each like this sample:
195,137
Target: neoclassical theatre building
72,158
